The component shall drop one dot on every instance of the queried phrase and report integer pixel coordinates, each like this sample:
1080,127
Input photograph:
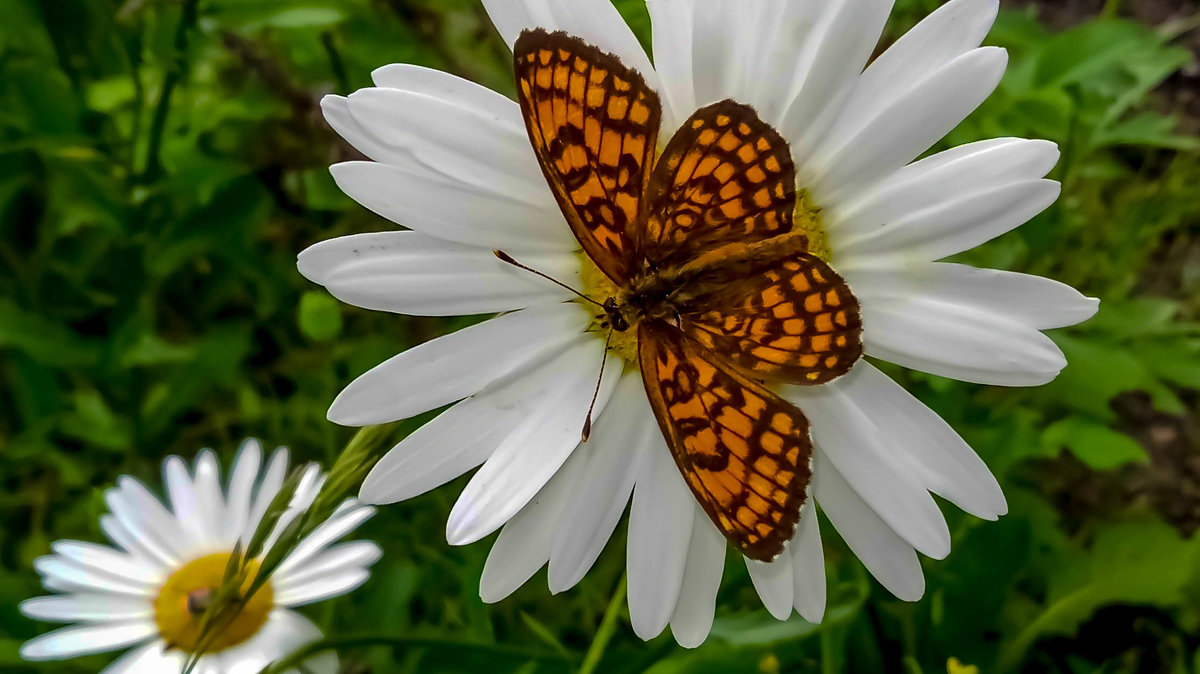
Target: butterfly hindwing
594,126
725,177
793,321
744,451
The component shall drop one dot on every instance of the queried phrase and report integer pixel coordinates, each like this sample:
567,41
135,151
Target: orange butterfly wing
725,177
594,128
792,320
744,451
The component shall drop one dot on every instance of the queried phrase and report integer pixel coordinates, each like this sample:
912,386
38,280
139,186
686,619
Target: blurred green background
163,162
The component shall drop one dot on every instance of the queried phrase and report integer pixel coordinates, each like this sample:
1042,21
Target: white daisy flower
145,592
452,162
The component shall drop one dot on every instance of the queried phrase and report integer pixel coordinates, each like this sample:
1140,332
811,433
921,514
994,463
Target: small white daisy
146,591
452,162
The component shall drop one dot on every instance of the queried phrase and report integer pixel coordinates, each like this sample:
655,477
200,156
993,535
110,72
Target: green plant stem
608,627
829,663
175,73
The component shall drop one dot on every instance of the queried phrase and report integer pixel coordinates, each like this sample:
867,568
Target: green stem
175,73
829,663
608,627
354,641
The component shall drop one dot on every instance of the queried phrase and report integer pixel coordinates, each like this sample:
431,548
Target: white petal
524,543
773,582
457,365
660,532
86,607
529,457
836,45
453,210
895,135
109,561
959,342
144,516
337,113
946,176
462,437
410,273
347,518
611,456
241,485
693,616
943,461
69,642
63,575
717,45
345,557
597,22
443,85
808,565
1033,301
951,31
138,545
272,481
185,503
152,658
671,21
892,561
284,633
484,150
210,501
854,444
948,226
321,588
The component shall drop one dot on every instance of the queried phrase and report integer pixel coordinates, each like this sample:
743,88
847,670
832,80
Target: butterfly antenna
505,257
587,423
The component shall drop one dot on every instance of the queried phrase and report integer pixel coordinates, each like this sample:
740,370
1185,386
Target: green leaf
1096,373
1141,562
1094,444
45,341
320,316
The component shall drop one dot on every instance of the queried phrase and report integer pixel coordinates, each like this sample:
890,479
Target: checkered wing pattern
594,128
795,321
744,451
725,177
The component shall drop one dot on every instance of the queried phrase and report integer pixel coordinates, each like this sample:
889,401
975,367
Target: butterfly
723,294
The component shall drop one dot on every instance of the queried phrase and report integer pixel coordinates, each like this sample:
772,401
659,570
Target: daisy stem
608,627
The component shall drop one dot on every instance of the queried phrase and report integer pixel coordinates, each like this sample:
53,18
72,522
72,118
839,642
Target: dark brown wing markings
743,451
725,177
794,321
594,126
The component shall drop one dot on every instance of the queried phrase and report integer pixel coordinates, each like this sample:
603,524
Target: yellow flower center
597,285
181,603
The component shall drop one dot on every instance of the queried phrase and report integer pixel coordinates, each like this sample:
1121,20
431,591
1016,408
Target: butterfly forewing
594,127
725,177
794,320
744,451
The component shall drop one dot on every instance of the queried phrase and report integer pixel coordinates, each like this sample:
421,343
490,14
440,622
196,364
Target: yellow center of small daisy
597,285
181,603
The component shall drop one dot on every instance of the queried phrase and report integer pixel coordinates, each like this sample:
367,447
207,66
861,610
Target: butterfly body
700,261
670,293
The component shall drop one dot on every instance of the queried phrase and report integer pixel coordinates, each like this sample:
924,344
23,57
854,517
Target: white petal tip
374,494
813,616
911,594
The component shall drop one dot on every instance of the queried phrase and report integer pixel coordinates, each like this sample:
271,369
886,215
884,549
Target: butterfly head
614,315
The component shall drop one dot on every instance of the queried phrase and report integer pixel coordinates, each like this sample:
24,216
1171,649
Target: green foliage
164,162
